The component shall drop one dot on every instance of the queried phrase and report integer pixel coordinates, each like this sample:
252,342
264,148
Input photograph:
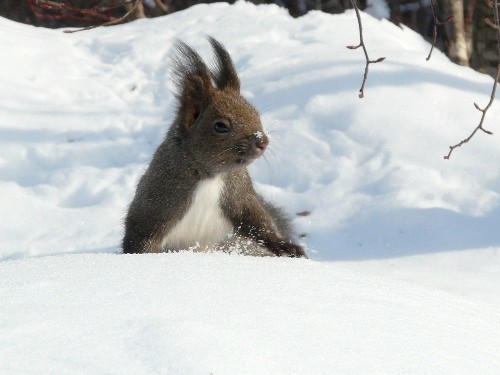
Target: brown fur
195,150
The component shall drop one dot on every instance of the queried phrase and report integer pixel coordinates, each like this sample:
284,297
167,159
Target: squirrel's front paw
287,249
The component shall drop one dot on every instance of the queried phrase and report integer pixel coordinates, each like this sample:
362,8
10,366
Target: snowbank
220,314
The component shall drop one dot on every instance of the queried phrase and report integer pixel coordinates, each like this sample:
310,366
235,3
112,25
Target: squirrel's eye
221,127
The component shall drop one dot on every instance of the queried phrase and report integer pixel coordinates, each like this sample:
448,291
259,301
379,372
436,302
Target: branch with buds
437,22
495,26
362,45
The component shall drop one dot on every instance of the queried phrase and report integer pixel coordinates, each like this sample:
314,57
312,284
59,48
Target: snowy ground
405,276
219,314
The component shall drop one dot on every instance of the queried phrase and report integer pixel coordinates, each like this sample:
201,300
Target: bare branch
112,21
362,45
493,90
164,8
491,24
437,23
90,15
51,5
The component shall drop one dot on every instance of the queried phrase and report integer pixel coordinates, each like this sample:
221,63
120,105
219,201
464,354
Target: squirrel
197,193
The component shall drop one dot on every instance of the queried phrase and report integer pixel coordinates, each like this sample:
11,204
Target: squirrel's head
220,129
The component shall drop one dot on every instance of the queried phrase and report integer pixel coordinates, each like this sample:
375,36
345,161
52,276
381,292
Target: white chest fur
203,225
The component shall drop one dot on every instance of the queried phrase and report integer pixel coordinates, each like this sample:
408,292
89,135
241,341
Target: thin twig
493,90
362,45
491,24
164,8
437,23
51,5
114,21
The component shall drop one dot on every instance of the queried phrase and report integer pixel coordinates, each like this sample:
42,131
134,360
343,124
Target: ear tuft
224,74
192,79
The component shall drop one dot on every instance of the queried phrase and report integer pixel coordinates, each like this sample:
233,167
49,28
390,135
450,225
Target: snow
404,275
378,9
192,313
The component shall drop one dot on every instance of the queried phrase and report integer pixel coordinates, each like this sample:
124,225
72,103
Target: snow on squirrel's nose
262,142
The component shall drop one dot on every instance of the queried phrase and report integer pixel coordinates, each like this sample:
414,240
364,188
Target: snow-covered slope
220,314
82,113
80,116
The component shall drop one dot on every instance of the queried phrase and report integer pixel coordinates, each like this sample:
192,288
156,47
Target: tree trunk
459,39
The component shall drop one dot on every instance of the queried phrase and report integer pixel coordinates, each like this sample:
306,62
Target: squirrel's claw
288,249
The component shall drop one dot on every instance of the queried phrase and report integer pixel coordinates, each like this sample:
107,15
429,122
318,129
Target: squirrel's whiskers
196,193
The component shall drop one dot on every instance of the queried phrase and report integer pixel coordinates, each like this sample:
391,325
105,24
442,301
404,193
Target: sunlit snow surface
220,314
80,116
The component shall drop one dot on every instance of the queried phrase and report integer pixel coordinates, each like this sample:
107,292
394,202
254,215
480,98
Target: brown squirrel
196,193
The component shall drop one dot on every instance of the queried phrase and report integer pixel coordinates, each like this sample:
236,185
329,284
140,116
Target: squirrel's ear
224,74
194,85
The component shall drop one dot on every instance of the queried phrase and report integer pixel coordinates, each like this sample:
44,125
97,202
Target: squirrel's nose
262,143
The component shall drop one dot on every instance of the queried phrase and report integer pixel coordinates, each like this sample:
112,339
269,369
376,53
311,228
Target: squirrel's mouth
249,155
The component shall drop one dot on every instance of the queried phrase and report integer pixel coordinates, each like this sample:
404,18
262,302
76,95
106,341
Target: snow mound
221,314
